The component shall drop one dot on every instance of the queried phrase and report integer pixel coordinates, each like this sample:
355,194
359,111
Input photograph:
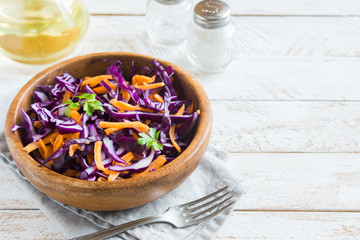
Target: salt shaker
210,36
167,20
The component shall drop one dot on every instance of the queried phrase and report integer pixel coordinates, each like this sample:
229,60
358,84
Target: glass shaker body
167,20
40,31
210,41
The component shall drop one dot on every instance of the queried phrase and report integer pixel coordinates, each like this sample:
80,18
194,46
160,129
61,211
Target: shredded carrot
74,114
135,135
49,149
35,145
50,136
141,79
150,86
127,107
113,175
198,112
68,136
156,164
37,124
73,148
79,119
97,155
158,98
147,122
127,158
111,130
125,94
121,125
56,141
102,90
67,95
172,138
59,141
180,111
75,135
101,179
93,81
172,129
44,151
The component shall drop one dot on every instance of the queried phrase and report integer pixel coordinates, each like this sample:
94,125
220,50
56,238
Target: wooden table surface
287,109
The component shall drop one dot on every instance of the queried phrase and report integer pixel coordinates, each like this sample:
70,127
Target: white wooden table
287,109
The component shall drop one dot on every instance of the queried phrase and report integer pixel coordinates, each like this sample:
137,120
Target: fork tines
208,206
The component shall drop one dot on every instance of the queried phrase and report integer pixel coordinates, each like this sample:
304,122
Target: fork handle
106,233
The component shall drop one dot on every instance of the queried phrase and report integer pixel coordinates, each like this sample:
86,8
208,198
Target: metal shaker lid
168,2
212,14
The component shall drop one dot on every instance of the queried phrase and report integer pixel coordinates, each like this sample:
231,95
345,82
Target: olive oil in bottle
40,31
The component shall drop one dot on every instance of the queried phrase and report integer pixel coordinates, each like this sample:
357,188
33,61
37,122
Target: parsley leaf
150,140
89,105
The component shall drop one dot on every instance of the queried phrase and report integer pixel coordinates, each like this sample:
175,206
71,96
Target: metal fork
180,216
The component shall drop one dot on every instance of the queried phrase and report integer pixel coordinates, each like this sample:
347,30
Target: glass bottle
39,31
167,20
210,37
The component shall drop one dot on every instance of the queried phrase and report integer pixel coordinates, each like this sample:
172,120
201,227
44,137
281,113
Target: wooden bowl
117,195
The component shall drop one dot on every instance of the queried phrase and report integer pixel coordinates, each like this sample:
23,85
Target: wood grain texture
284,79
275,36
283,126
246,78
298,181
26,225
14,197
240,225
324,182
293,87
291,225
244,7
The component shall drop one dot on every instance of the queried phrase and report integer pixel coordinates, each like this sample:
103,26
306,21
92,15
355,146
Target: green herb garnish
89,105
150,140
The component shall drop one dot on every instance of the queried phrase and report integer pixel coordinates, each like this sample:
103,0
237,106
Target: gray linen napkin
210,175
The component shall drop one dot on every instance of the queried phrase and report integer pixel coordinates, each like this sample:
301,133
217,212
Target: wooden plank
305,78
14,197
243,7
26,225
266,126
33,225
296,181
255,36
291,225
248,78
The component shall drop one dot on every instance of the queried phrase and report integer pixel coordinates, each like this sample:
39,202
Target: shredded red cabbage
46,116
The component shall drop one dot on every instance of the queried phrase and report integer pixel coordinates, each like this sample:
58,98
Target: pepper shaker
167,20
210,37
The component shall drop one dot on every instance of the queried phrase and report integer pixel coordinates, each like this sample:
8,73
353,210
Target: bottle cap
212,14
168,2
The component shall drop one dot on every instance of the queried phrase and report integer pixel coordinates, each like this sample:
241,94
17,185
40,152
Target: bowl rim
204,124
